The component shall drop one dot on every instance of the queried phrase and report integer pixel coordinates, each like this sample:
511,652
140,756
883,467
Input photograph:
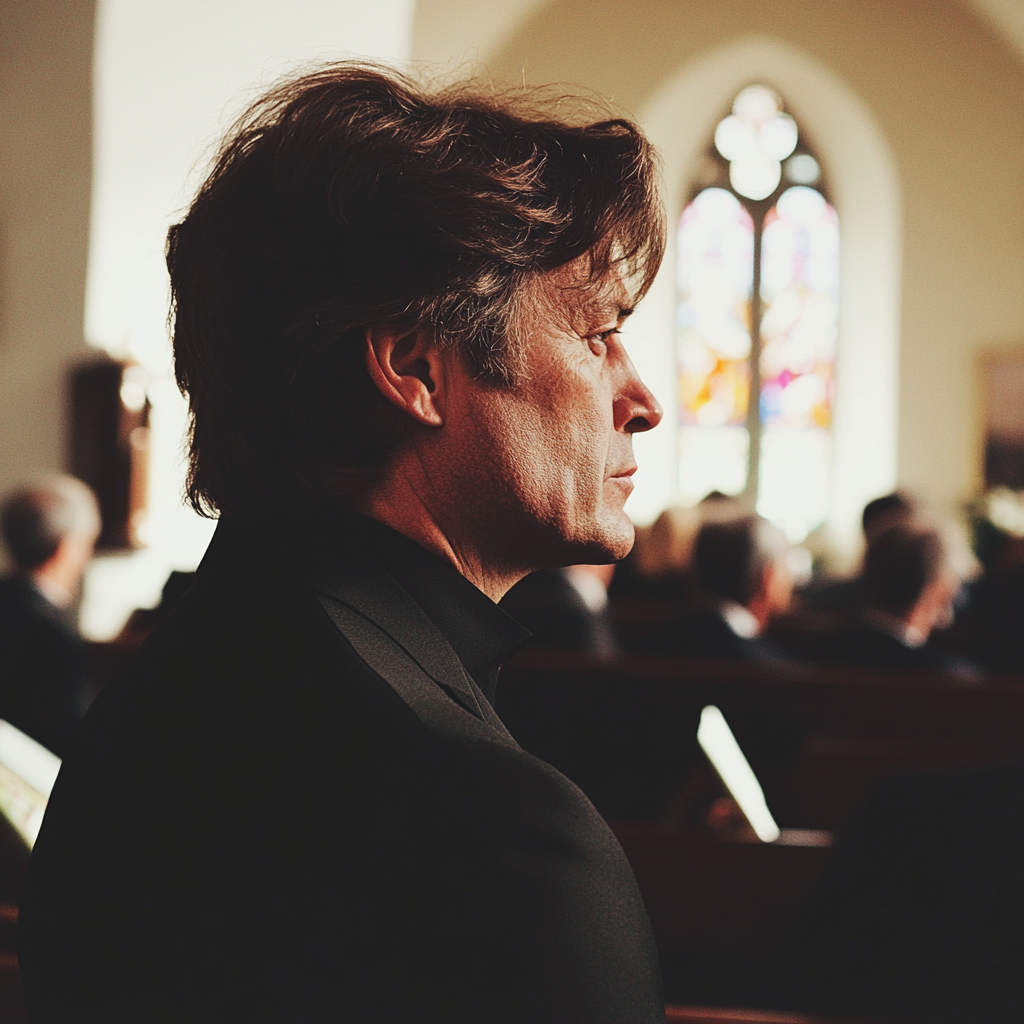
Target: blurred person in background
50,528
847,596
658,567
991,621
740,565
911,578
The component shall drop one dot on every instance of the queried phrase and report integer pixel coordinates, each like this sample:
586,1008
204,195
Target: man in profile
397,321
49,528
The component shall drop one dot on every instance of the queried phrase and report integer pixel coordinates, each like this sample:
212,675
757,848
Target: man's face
548,462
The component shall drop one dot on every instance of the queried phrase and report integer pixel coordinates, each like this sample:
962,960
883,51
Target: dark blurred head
352,198
36,518
886,511
900,564
732,557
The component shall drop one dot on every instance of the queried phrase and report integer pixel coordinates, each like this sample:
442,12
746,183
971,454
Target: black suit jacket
868,646
702,632
297,804
552,609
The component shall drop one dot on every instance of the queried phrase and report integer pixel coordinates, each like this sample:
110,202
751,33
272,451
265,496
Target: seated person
50,529
740,565
909,587
658,568
845,597
566,609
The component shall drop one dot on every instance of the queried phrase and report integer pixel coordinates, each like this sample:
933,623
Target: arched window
758,280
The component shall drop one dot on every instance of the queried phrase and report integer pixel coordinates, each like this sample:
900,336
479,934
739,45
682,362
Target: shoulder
864,645
252,762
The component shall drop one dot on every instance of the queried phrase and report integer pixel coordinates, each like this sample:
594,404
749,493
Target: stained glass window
758,279
716,278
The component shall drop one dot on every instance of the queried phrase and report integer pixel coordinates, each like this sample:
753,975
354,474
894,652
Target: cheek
536,455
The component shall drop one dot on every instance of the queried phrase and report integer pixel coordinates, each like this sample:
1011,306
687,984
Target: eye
599,342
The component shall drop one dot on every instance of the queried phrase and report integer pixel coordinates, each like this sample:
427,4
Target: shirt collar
481,634
739,620
51,591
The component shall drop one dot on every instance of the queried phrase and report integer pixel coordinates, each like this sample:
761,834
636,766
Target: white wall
450,34
45,62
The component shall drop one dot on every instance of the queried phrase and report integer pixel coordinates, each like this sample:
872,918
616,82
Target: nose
635,408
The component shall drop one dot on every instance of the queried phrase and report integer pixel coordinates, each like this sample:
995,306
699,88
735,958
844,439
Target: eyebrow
602,312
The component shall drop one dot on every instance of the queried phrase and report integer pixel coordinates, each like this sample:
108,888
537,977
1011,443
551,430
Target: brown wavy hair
351,197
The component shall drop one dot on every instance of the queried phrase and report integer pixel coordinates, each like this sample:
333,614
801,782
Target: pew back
819,737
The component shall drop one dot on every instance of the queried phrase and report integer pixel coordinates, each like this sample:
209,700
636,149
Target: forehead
574,293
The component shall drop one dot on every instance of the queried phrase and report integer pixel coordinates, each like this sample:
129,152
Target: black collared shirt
482,635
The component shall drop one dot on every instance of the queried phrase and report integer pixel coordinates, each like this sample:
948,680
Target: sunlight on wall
169,77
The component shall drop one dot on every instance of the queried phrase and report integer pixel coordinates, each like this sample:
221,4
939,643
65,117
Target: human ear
407,369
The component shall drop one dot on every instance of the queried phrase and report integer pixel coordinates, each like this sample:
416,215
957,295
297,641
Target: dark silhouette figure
919,914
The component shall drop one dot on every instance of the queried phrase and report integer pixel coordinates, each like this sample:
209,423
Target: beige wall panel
45,144
451,34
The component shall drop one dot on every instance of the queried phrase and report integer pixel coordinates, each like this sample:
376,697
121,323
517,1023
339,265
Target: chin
610,542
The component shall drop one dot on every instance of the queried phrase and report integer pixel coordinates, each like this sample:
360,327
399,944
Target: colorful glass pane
799,326
716,253
716,280
799,291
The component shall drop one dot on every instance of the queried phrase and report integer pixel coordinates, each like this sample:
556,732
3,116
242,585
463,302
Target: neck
760,608
407,510
53,586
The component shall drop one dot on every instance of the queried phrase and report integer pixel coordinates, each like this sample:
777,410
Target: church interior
844,185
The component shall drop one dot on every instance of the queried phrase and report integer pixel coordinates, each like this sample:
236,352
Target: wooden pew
834,700
629,724
623,730
721,1015
14,859
727,893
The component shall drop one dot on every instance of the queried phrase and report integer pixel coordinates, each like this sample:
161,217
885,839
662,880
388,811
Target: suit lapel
431,704
369,592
